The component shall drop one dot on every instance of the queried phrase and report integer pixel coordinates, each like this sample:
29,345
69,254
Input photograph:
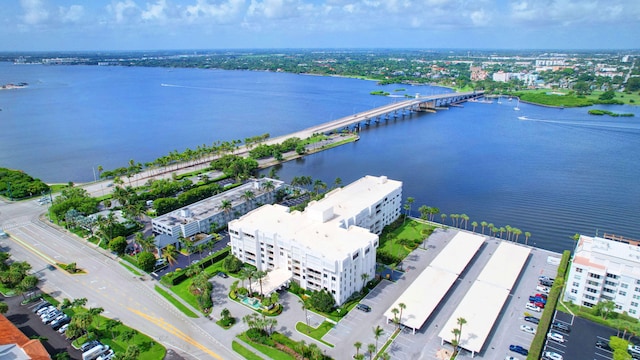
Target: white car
552,355
63,328
528,329
555,337
532,307
542,289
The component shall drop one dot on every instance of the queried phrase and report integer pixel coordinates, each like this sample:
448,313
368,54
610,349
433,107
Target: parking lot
30,324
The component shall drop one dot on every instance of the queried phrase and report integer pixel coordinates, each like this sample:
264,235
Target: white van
532,307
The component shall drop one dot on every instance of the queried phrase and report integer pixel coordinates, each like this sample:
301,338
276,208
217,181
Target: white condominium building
603,270
330,246
198,217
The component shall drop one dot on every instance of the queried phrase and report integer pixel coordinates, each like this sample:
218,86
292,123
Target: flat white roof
457,254
275,279
505,265
421,302
438,278
480,307
350,200
324,239
483,302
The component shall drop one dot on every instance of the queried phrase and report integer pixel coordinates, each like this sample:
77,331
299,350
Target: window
574,291
575,284
637,289
632,311
623,293
595,276
578,270
592,290
634,304
624,286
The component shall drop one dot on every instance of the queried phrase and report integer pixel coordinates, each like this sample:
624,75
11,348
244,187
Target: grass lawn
134,271
316,333
185,310
398,241
182,289
271,353
244,352
556,97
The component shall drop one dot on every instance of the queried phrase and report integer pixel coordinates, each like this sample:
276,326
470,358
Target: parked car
519,349
58,323
533,307
544,278
527,329
532,319
561,326
55,316
548,283
63,328
222,275
89,345
604,345
555,336
543,289
552,355
44,309
537,299
41,305
539,304
363,307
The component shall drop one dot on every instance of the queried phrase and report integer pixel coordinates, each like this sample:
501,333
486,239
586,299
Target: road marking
33,250
172,329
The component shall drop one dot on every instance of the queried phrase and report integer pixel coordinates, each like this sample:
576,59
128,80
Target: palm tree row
462,221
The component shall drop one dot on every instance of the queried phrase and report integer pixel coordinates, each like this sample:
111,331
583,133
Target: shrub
118,245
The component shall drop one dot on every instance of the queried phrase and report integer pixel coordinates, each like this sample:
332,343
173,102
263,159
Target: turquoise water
548,171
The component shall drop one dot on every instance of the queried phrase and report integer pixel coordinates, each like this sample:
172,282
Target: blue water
548,171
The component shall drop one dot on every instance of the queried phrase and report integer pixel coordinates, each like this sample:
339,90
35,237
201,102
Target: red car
542,296
539,304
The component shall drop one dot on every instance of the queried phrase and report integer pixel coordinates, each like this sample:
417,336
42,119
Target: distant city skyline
74,25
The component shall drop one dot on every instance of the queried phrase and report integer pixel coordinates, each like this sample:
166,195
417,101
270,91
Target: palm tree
407,207
402,306
502,230
395,312
364,277
357,345
461,321
377,332
306,315
465,217
443,217
147,243
434,211
508,228
372,350
527,235
337,183
483,224
243,274
226,206
474,225
260,274
454,219
517,233
170,253
248,196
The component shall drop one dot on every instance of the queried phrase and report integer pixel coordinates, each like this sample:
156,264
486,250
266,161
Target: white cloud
34,12
124,11
72,14
155,11
220,11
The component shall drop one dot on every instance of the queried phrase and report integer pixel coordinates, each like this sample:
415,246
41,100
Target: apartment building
198,217
330,246
604,269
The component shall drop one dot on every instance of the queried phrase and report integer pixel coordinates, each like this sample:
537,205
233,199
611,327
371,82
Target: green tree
146,261
483,224
170,254
119,244
231,264
357,345
3,307
322,301
371,349
527,235
377,333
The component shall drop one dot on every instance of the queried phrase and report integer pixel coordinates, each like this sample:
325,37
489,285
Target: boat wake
585,124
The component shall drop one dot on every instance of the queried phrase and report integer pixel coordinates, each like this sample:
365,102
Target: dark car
519,349
531,319
536,299
546,283
89,345
222,275
57,324
561,326
601,344
363,307
41,305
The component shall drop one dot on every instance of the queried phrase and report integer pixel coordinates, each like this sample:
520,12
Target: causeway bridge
401,108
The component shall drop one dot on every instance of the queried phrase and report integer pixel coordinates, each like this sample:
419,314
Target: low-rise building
330,246
604,269
218,209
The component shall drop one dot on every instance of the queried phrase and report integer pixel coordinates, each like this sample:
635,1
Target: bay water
551,172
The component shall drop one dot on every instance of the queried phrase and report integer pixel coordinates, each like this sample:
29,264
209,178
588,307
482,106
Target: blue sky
42,25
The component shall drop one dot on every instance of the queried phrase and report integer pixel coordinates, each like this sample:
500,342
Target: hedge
535,351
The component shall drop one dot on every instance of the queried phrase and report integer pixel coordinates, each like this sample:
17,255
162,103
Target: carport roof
483,302
275,279
428,289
